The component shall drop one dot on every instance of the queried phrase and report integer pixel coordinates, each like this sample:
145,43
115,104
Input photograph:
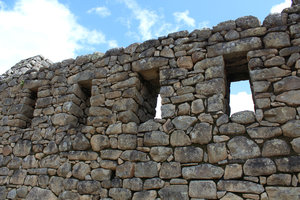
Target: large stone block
241,147
240,186
291,128
188,154
259,167
201,133
174,192
237,46
291,98
170,170
63,119
203,171
149,63
156,138
288,164
288,193
146,169
184,122
276,40
39,193
203,189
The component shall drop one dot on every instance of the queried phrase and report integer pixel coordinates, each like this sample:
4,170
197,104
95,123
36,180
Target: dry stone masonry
84,128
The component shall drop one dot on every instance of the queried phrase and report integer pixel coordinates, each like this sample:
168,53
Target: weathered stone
291,98
295,29
131,82
286,84
167,110
264,132
280,114
268,73
153,183
51,161
128,116
227,48
98,111
133,184
232,129
216,103
160,154
182,98
274,61
134,155
213,86
68,195
209,62
185,62
156,138
63,119
247,22
202,171
80,142
261,52
275,147
56,184
167,52
197,106
296,145
259,167
276,40
149,125
291,128
101,174
64,169
203,189
201,133
82,155
180,138
125,104
288,164
72,109
88,187
241,147
80,170
145,195
188,154
38,193
279,179
289,50
110,154
146,169
232,35
231,196
240,186
22,148
99,142
170,170
127,141
225,26
233,171
166,74
273,20
51,148
289,193
18,177
184,122
149,63
174,192
125,170
259,31
216,152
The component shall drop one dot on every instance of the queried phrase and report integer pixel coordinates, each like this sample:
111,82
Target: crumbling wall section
84,128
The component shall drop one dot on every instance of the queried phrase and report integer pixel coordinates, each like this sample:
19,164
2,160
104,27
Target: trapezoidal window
239,94
85,96
150,88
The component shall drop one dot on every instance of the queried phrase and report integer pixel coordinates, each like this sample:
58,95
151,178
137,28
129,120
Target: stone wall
84,128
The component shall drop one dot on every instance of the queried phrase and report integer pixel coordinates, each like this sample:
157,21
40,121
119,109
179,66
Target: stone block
203,189
202,171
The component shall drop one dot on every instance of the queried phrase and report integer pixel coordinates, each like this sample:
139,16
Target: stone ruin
84,128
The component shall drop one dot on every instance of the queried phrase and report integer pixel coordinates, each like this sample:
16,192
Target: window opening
86,93
238,95
29,105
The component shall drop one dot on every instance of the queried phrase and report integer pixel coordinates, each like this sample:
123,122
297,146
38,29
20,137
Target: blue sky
60,29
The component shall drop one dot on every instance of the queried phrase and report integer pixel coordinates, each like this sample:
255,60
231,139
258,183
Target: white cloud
203,24
101,11
240,102
112,43
183,17
147,18
279,7
44,27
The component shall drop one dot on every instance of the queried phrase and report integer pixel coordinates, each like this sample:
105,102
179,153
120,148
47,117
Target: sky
62,29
